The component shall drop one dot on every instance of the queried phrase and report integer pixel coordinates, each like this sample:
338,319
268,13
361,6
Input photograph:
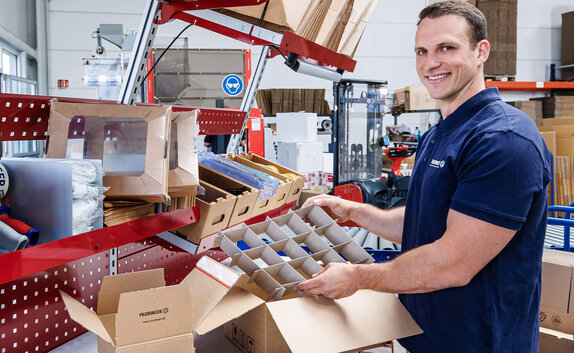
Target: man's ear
483,50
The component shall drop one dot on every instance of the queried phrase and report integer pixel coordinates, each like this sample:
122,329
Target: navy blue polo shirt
488,161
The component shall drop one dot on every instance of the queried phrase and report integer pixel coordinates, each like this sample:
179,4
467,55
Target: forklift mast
358,129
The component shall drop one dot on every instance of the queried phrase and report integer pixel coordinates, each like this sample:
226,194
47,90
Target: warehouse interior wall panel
18,18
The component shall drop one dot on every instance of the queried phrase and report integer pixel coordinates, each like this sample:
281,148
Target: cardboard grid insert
285,234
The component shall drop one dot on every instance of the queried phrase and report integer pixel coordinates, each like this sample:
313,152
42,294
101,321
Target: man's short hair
474,17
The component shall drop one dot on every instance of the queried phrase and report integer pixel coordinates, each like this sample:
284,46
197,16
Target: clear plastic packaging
266,184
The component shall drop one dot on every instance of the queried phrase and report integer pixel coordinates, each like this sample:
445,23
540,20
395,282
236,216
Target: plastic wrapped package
266,184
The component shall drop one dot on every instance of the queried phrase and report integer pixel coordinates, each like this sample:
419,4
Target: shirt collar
468,109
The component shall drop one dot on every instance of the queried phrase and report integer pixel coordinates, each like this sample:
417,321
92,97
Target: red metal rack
32,316
529,85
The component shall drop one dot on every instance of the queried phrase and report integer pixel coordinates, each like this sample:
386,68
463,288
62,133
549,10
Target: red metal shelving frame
529,85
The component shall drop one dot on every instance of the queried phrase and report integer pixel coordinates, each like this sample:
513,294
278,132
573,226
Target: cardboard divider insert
246,195
315,215
312,241
269,230
215,208
283,188
296,183
293,222
275,274
183,178
289,248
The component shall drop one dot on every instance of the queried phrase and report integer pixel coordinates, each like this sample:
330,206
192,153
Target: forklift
358,145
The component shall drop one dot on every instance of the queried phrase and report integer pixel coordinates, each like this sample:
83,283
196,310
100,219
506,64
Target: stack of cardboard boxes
298,149
501,18
273,101
337,25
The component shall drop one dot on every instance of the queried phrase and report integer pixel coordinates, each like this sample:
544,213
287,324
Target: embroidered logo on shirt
437,164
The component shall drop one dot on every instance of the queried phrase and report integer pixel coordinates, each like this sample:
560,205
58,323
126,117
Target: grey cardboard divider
269,270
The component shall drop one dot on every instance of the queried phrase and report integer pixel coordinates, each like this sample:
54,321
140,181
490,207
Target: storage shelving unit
32,316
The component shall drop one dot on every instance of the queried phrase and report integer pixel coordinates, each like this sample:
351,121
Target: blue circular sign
232,85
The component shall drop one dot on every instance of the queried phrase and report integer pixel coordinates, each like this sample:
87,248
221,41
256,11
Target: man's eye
446,48
421,52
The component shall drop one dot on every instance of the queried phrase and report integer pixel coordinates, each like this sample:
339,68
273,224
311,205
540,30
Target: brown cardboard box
137,313
277,200
291,177
555,341
118,133
310,324
246,195
215,210
501,18
567,53
416,98
556,304
183,176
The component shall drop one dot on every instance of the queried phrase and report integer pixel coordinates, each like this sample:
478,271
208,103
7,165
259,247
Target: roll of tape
4,182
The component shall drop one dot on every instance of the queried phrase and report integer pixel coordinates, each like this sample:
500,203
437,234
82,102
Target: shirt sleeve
499,174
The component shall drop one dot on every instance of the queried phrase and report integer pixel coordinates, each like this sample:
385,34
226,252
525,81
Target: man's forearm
386,223
421,270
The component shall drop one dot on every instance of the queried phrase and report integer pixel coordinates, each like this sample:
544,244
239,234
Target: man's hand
334,281
336,207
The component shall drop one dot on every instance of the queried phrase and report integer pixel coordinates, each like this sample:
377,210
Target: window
9,63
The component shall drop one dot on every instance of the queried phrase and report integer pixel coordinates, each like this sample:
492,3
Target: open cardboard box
131,141
137,313
263,314
215,208
183,176
277,200
246,195
296,183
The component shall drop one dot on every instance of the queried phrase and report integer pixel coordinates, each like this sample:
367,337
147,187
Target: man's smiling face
448,63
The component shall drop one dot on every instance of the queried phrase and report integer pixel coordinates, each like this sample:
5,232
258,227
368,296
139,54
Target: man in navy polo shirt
473,227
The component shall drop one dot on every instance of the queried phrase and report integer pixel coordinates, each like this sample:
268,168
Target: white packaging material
327,163
84,212
296,127
300,156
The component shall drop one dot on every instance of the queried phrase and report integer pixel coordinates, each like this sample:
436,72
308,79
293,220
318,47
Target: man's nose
432,61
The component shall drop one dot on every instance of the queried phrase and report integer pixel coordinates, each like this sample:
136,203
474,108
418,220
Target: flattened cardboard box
136,312
67,120
183,177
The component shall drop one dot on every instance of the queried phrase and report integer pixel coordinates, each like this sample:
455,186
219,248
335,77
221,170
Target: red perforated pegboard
158,253
32,315
23,117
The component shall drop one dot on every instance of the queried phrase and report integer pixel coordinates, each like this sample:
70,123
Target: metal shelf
529,85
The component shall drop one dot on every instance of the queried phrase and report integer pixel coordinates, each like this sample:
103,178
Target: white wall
385,52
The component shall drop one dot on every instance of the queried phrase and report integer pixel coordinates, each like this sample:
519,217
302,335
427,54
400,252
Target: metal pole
247,101
140,53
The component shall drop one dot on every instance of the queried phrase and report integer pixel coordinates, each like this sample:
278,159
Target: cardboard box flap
354,323
113,286
208,283
234,304
151,314
85,317
555,341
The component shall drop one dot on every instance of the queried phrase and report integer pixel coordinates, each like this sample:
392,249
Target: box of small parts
137,313
263,314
